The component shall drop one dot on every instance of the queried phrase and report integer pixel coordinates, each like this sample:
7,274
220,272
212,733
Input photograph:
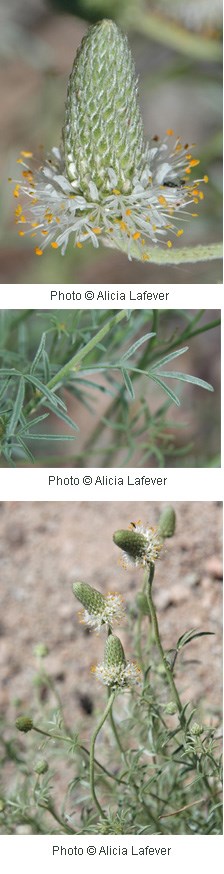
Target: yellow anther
54,245
38,251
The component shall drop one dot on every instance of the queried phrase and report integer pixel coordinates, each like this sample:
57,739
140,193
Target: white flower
117,675
51,208
111,614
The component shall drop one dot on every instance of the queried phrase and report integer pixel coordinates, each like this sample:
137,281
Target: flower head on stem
115,671
99,609
141,545
105,183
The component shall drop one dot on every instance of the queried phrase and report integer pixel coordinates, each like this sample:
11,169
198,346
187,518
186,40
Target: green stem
171,33
92,751
185,255
79,747
74,363
148,591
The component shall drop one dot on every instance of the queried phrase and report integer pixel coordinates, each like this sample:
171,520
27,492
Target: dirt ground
45,547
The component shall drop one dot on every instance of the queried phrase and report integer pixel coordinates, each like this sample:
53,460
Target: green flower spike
167,523
115,671
141,545
105,183
99,609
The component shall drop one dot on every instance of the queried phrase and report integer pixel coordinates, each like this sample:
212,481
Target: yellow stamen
205,179
169,244
128,212
116,191
18,210
21,233
146,258
194,214
201,195
162,200
79,245
123,226
16,191
54,245
136,235
169,132
180,232
38,251
27,154
194,162
97,230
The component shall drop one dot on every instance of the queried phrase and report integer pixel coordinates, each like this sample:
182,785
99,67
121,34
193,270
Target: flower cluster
141,545
105,183
106,610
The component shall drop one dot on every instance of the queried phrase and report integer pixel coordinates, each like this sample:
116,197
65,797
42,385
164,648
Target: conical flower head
141,544
103,132
114,652
115,671
90,598
99,609
105,184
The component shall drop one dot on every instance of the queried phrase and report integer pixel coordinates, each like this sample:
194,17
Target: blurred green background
177,53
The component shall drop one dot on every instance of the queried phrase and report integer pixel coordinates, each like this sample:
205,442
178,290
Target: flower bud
196,729
171,708
24,723
167,522
41,767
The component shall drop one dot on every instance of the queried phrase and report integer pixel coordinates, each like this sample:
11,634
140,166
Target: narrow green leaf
17,407
190,635
61,415
132,349
186,377
165,388
169,357
128,384
39,353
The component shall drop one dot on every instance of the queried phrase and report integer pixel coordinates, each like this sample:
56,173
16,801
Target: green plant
73,352
164,774
105,184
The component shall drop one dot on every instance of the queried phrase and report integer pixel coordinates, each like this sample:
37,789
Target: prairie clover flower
105,183
99,609
141,545
115,671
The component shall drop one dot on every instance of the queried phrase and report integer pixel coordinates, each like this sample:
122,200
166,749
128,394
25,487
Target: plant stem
79,747
92,750
148,591
74,362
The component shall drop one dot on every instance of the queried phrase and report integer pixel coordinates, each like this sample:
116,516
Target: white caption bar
105,296
95,853
100,484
